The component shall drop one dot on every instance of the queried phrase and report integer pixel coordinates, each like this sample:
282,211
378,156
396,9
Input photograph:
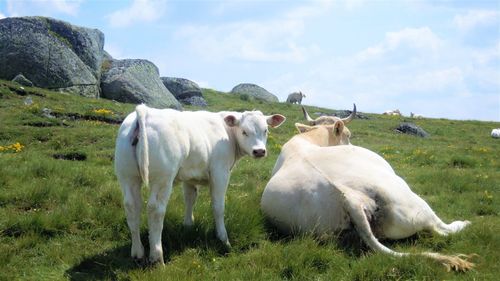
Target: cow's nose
259,152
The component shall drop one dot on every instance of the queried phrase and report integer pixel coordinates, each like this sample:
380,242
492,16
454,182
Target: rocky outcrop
135,81
185,91
196,101
181,88
52,54
411,129
20,79
254,91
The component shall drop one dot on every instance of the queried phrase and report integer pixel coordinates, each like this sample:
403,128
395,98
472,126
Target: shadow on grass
104,266
115,263
347,241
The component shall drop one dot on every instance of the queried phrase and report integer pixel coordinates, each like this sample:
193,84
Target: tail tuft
458,262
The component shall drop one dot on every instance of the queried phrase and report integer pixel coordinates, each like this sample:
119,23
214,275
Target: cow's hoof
226,247
156,263
140,262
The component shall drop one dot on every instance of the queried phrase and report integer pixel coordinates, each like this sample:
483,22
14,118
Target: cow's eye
245,133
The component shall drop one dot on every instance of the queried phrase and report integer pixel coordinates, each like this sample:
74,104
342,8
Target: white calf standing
159,146
495,133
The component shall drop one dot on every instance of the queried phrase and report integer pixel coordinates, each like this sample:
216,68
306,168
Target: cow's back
185,142
298,199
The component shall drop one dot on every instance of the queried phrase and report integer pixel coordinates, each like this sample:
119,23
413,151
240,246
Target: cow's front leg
218,187
190,195
157,206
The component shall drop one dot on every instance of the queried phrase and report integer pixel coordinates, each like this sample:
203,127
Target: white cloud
43,7
139,11
275,40
2,16
411,69
489,55
271,41
419,39
475,18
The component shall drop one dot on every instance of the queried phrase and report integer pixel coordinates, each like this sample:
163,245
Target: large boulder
20,79
181,88
135,81
411,129
185,91
254,91
52,54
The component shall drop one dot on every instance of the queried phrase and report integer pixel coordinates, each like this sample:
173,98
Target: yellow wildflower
17,147
103,111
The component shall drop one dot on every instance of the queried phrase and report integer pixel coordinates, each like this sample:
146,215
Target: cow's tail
142,150
359,213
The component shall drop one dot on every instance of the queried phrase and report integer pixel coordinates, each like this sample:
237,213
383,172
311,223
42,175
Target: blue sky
435,58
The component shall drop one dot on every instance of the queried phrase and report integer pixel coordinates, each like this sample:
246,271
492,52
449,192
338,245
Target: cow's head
328,120
326,135
251,129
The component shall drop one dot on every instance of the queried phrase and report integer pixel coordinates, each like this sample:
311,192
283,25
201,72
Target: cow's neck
319,136
238,152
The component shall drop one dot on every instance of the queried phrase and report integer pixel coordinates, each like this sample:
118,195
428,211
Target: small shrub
244,97
459,161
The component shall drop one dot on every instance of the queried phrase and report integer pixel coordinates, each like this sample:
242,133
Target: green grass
63,219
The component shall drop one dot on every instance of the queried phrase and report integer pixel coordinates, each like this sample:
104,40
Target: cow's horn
308,118
350,117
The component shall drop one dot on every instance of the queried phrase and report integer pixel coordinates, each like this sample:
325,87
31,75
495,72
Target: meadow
62,218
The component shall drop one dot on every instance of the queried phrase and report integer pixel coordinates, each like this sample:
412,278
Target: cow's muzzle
258,153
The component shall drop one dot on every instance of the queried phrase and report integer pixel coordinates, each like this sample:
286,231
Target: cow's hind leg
444,229
427,218
131,188
157,206
190,195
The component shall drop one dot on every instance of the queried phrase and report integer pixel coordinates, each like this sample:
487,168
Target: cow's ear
275,120
338,128
303,128
231,120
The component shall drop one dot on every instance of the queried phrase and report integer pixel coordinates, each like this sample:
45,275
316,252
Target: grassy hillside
61,214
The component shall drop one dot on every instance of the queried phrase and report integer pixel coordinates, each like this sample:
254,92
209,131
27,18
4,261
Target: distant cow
394,112
416,116
295,97
159,146
319,188
495,133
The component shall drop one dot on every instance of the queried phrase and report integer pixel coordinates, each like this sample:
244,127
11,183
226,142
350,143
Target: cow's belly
195,172
301,206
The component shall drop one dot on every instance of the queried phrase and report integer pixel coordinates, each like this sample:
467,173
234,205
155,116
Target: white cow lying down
319,190
159,146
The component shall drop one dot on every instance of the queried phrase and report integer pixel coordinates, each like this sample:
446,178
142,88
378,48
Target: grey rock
47,112
346,113
106,56
343,114
20,79
182,88
52,53
28,101
195,100
136,81
411,129
254,91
